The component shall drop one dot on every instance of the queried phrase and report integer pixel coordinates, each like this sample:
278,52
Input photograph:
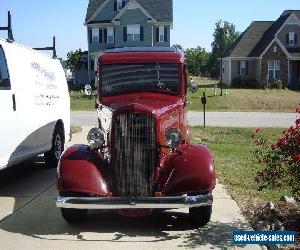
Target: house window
133,32
95,35
243,68
162,34
119,5
275,49
274,69
110,35
292,37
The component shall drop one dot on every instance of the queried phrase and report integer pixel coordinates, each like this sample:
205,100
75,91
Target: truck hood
157,105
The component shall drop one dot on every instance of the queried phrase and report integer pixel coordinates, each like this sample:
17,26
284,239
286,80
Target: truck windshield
124,78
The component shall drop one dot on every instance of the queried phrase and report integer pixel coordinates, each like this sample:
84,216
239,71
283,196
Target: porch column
289,72
229,69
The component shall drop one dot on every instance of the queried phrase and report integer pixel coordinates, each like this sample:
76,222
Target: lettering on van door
46,93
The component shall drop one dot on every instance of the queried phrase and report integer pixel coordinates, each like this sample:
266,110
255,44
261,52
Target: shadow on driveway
38,217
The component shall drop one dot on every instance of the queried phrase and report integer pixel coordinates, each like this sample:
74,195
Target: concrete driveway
213,119
30,220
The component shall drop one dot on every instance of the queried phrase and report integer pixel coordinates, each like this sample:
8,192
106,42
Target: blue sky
35,21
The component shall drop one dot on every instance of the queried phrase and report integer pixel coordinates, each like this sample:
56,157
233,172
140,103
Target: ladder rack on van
11,37
53,48
9,28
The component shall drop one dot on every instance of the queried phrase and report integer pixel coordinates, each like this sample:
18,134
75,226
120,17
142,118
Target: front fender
82,170
193,172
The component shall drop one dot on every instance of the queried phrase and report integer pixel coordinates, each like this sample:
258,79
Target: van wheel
200,215
52,157
73,216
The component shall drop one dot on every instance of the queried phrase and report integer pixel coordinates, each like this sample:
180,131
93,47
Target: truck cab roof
142,55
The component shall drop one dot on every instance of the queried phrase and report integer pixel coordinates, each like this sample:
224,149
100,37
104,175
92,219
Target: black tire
58,141
73,216
200,215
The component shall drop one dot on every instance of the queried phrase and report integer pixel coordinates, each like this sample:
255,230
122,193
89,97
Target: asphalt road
30,220
213,119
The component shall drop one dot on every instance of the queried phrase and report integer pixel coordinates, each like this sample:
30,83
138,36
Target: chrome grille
134,154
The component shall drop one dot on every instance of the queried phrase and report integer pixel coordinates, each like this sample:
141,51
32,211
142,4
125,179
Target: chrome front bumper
134,203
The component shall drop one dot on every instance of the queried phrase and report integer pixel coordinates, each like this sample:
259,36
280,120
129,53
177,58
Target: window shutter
166,34
125,34
247,67
100,36
157,35
287,38
239,68
105,35
296,39
123,3
115,5
90,36
142,33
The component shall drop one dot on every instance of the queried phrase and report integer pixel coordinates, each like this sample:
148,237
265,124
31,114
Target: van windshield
124,78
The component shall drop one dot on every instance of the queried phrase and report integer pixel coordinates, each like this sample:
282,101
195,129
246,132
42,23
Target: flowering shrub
281,160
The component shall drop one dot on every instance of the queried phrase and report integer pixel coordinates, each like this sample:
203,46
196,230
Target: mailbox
203,99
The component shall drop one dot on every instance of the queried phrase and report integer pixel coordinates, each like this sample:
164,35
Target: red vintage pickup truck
139,158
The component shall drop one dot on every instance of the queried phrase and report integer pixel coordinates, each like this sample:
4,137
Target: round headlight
173,137
96,138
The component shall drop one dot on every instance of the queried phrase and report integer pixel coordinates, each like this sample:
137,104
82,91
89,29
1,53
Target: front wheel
52,157
200,215
73,216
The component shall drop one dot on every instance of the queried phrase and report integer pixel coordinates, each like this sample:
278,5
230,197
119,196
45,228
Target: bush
252,83
278,84
281,160
237,82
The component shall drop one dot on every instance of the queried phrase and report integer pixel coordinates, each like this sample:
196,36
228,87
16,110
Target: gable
282,35
159,10
292,20
133,16
133,6
107,13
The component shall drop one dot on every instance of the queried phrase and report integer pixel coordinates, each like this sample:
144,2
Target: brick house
127,23
266,51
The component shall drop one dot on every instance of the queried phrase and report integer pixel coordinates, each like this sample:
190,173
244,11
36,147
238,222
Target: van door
8,117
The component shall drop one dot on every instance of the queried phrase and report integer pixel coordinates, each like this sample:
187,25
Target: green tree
178,46
73,58
223,40
197,61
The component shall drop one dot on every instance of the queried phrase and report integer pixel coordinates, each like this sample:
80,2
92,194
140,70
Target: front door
8,117
296,72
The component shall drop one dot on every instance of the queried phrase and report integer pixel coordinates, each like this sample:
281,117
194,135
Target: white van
34,106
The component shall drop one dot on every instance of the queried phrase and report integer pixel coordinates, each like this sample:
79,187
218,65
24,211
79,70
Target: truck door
8,116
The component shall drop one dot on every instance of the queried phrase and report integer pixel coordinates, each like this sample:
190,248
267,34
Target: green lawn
81,102
235,100
236,165
246,100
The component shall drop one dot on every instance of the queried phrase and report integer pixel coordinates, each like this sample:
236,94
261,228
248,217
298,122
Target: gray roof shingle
160,10
248,40
92,8
258,36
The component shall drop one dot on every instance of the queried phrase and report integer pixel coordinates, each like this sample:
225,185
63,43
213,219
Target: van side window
4,77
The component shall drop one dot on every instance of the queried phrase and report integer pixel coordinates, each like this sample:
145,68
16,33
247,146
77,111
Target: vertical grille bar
134,154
